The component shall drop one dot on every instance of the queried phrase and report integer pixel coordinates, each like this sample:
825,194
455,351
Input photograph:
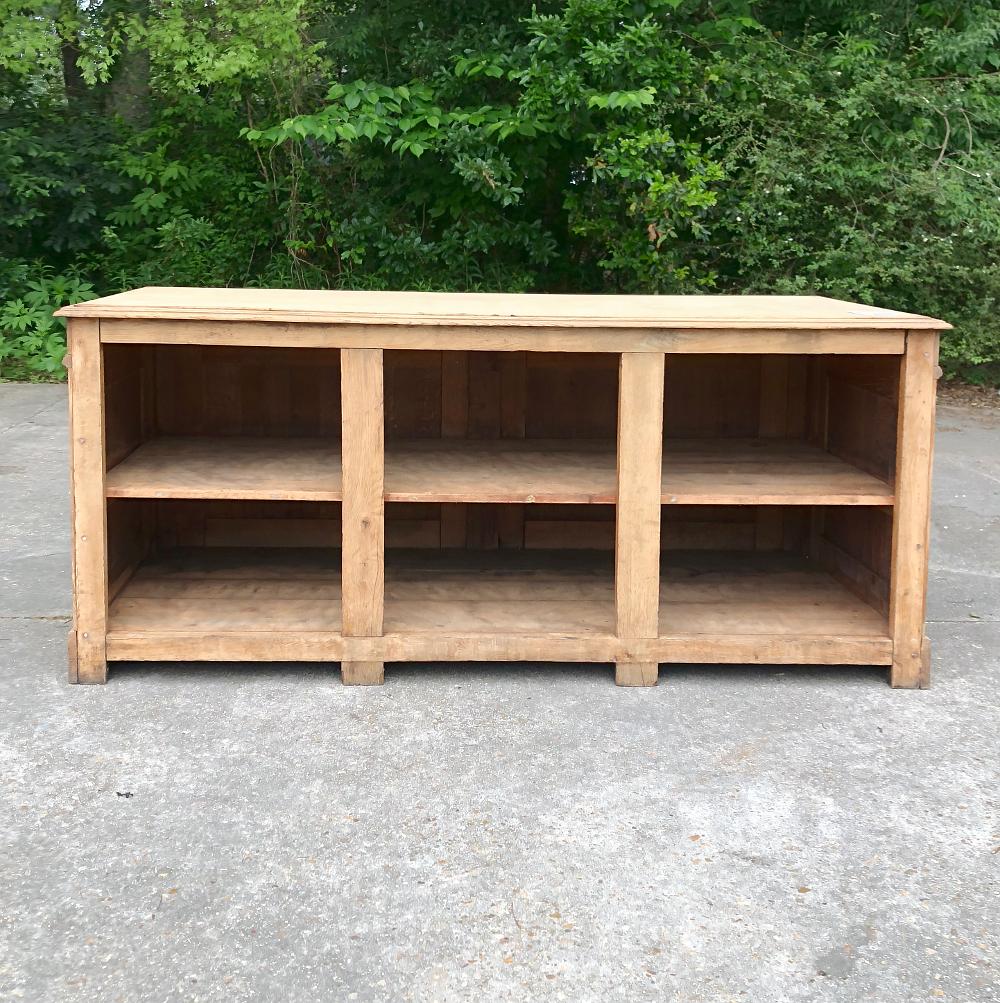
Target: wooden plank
505,592
501,470
454,425
637,521
89,517
772,424
279,333
497,309
911,525
513,423
225,646
363,491
208,603
270,469
763,472
761,649
482,529
318,647
771,594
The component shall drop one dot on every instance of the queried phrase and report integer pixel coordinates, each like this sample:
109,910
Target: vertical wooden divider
513,408
363,507
911,516
454,425
637,515
772,424
87,661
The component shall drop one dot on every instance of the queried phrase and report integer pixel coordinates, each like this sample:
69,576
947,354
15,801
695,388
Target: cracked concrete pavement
193,833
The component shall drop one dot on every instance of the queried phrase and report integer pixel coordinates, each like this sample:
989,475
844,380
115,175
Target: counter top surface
498,309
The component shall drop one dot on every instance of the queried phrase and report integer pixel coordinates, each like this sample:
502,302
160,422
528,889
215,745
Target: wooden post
772,424
911,522
363,449
454,425
88,663
637,518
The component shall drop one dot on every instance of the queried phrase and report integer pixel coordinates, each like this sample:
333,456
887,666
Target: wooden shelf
701,593
570,471
282,604
695,472
500,592
735,593
271,469
235,590
763,472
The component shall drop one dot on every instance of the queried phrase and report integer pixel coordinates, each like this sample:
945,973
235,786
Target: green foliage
32,341
582,145
895,197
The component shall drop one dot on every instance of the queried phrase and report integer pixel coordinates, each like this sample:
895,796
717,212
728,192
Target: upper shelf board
498,309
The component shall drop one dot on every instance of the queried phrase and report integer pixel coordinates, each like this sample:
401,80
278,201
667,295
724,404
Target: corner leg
925,664
71,654
913,670
636,673
362,673
87,663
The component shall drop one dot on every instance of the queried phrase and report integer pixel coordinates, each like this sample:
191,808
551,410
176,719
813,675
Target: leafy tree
587,145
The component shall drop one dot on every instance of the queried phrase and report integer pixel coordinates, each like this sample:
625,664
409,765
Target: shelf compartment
537,593
230,590
764,607
695,472
230,467
728,471
553,471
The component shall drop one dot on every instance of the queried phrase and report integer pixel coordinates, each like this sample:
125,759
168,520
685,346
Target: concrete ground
508,833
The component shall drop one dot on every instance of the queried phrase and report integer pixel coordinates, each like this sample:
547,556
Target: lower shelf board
231,590
284,604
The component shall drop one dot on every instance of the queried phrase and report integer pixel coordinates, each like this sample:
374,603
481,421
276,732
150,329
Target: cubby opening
780,429
500,569
503,427
781,571
223,567
206,422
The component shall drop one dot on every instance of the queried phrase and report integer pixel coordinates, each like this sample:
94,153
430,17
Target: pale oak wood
301,646
637,520
454,425
485,309
567,471
355,673
636,673
911,528
277,390
89,542
363,501
219,604
519,338
274,469
773,424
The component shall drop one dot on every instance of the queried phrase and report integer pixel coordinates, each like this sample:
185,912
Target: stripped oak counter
357,477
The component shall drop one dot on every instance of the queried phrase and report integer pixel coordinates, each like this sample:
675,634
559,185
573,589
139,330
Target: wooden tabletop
498,309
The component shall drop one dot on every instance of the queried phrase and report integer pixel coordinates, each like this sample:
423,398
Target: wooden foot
362,673
87,663
74,667
636,673
912,670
